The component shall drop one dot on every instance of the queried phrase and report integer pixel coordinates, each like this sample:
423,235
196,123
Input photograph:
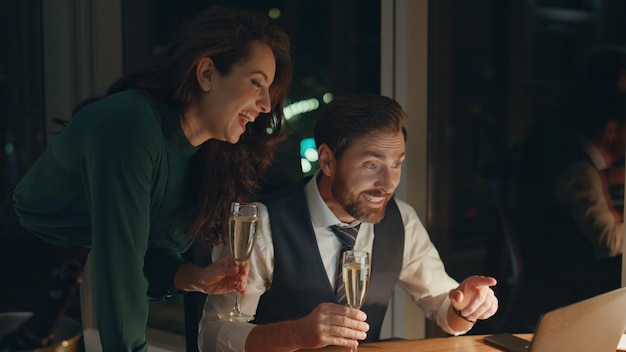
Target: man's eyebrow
377,154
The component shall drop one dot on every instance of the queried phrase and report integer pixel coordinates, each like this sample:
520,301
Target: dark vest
300,282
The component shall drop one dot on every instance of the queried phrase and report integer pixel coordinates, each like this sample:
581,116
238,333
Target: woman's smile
245,117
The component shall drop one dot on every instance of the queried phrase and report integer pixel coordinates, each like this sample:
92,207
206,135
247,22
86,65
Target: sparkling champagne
242,232
356,278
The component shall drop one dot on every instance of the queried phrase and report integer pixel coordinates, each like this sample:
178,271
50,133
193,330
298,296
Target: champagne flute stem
355,349
238,302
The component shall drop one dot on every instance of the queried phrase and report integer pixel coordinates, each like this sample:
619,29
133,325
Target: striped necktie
347,237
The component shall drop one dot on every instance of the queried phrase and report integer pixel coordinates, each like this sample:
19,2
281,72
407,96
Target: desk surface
466,343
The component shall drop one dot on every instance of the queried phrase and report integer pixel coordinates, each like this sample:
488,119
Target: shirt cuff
160,267
442,318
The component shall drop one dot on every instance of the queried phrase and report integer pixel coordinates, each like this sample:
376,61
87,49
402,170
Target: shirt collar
595,155
321,215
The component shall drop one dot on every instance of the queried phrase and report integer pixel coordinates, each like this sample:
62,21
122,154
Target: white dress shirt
422,276
583,190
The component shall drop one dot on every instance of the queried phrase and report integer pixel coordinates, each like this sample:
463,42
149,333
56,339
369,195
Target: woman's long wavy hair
221,172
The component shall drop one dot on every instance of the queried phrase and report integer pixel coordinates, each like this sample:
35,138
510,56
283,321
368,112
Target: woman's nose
265,103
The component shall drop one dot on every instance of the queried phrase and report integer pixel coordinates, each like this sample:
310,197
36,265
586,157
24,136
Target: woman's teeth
248,116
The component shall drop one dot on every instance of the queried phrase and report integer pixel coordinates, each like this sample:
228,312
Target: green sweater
114,180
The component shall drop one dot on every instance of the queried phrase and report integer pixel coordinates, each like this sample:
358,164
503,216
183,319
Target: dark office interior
499,71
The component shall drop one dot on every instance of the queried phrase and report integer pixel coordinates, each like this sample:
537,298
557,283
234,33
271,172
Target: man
572,241
361,146
596,226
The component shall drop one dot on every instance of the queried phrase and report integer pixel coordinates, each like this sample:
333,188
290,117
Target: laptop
595,324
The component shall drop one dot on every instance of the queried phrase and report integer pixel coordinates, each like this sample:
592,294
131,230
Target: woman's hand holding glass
217,278
224,276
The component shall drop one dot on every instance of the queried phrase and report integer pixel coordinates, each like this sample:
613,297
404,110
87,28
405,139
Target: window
22,136
499,72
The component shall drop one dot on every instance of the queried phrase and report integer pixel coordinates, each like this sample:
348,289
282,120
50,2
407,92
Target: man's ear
613,130
204,74
326,159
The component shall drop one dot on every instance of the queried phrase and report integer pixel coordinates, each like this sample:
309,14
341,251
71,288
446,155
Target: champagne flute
242,227
356,278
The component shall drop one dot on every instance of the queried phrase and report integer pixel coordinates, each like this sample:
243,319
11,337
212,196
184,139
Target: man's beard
352,204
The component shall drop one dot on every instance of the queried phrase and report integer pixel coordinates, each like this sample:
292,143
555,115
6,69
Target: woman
139,174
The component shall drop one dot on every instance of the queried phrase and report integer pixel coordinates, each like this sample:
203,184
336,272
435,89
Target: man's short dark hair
352,116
